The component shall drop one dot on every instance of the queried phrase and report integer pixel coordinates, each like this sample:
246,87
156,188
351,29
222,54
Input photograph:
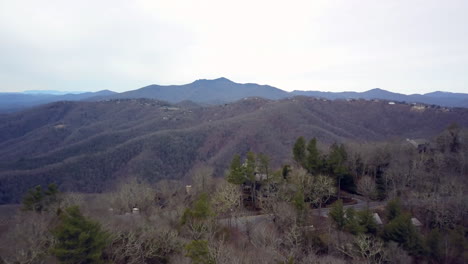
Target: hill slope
85,146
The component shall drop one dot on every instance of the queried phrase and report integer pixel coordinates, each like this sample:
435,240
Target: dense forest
88,146
357,202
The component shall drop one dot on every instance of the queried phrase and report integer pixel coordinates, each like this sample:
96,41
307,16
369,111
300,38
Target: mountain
54,92
215,91
435,98
10,102
86,146
221,91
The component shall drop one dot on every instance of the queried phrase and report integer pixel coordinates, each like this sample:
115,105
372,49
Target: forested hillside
86,146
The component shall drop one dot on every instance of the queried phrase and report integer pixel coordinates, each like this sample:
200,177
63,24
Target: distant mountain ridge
435,98
11,102
221,91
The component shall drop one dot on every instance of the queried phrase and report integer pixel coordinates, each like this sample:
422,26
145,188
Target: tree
285,171
365,249
250,166
200,210
236,175
226,198
336,162
78,239
313,161
393,209
366,187
367,221
299,151
338,215
298,201
202,178
402,231
264,164
352,222
132,193
322,188
199,252
32,201
38,200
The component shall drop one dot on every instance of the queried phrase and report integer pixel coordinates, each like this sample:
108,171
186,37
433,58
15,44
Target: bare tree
366,186
202,179
365,249
29,239
130,194
321,189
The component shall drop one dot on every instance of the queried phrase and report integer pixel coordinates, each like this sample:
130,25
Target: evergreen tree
250,166
78,239
32,201
352,222
393,209
264,164
286,170
313,165
367,221
402,231
336,163
299,151
38,200
236,174
338,215
199,211
198,252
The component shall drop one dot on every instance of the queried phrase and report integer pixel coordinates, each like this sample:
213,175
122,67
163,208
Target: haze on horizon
401,46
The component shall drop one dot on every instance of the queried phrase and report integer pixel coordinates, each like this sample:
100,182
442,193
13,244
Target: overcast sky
406,46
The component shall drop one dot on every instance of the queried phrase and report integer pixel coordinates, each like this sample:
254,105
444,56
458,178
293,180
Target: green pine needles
78,239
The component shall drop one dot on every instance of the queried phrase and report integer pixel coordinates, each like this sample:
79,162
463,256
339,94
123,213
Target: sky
405,46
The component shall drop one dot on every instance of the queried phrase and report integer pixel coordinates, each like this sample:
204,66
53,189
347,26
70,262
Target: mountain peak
223,79
218,80
377,90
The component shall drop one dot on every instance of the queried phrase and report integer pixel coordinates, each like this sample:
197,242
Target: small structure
188,189
416,222
421,144
135,210
260,176
391,103
377,219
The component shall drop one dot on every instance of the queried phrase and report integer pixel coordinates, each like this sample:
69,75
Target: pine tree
393,209
38,200
236,174
313,165
338,215
32,201
336,163
78,239
198,251
299,151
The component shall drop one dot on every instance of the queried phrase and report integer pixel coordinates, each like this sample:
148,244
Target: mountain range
220,91
87,146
